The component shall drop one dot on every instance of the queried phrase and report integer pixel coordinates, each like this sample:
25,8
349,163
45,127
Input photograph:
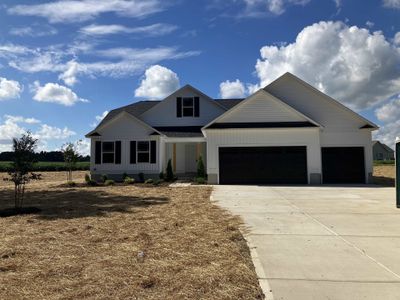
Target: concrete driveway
321,242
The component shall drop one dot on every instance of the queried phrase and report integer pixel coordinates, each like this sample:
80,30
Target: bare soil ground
385,175
121,242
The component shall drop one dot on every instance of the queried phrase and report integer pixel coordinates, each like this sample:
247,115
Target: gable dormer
188,107
185,107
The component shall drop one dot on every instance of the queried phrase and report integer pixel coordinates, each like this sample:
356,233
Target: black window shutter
118,152
196,106
133,152
97,150
153,152
179,107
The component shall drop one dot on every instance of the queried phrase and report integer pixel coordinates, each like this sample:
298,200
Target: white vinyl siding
315,105
261,108
164,113
125,128
308,137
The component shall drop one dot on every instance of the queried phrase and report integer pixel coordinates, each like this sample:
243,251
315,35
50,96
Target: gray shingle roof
180,131
229,103
138,108
135,109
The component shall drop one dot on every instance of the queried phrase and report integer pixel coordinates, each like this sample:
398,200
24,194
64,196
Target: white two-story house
286,133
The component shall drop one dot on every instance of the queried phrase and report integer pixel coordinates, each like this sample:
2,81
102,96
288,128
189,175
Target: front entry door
190,158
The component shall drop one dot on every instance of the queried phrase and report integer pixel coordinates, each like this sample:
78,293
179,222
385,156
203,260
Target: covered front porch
184,154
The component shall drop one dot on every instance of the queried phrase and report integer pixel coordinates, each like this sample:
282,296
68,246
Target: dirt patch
122,242
384,175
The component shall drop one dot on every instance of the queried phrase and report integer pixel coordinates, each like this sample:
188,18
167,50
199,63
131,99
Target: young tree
200,168
169,172
24,158
71,157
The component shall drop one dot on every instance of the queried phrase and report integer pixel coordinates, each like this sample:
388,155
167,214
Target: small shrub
109,182
71,183
124,175
161,175
200,180
201,172
129,180
91,182
87,178
149,181
157,182
141,177
170,174
104,178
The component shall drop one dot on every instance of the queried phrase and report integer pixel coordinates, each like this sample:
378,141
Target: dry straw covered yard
121,242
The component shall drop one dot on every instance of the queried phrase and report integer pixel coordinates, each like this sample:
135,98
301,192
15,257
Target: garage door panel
263,165
343,165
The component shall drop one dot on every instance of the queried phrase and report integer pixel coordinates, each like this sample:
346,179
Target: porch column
198,150
174,157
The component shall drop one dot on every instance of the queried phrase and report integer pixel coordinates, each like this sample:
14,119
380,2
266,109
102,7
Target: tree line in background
50,156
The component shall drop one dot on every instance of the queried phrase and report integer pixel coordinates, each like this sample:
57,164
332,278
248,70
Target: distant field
383,162
47,166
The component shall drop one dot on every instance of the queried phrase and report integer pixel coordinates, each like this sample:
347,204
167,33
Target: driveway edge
262,279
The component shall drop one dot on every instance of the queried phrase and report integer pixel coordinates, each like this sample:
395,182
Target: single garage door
343,165
263,165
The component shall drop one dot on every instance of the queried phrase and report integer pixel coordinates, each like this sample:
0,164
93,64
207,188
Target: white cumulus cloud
389,115
69,76
83,147
47,132
232,89
389,111
99,118
9,89
391,3
14,126
157,83
55,93
396,39
10,128
351,64
83,10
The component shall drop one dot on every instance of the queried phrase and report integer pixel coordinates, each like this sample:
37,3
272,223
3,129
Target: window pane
143,157
143,146
188,102
188,111
108,146
108,158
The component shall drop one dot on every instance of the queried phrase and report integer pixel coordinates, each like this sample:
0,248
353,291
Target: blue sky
64,63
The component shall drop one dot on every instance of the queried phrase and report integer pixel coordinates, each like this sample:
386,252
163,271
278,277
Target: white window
108,152
188,107
143,151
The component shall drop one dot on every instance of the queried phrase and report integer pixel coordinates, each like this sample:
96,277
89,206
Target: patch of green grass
5,166
383,162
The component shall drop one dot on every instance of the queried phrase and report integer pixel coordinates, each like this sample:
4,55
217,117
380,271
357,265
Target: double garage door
288,165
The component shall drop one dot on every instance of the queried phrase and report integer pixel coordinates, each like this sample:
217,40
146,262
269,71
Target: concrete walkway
321,242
